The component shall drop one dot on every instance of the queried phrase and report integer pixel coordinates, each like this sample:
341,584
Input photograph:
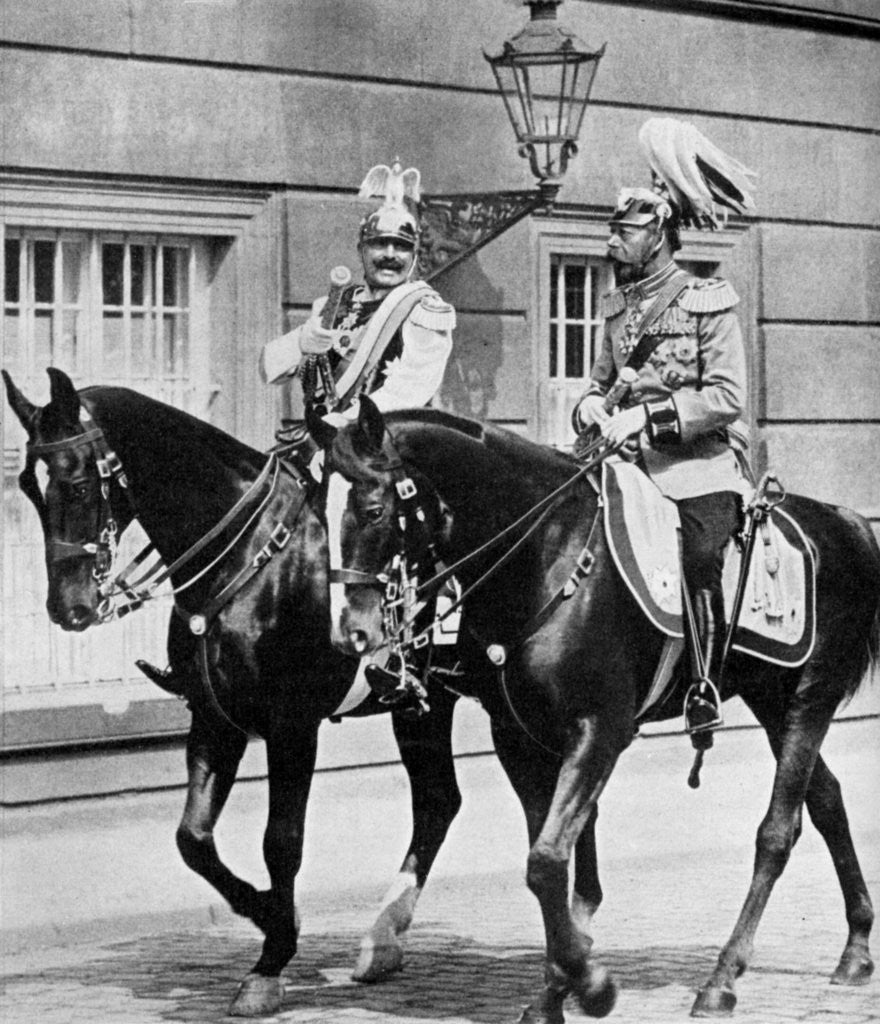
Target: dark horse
269,667
562,691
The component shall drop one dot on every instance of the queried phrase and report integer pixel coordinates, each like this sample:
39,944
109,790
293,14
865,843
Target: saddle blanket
777,622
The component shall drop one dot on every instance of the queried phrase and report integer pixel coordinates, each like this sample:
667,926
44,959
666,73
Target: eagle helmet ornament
397,218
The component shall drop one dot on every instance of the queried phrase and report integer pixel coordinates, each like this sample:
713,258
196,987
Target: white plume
696,173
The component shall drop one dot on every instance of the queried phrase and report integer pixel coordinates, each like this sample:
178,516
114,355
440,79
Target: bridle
103,549
404,597
144,586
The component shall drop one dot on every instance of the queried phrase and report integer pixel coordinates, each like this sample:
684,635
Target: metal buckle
279,536
406,488
103,468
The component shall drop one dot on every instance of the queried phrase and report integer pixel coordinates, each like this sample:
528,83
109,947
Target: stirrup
397,689
165,678
702,707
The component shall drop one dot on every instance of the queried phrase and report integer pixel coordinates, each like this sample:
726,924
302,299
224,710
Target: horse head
67,479
383,520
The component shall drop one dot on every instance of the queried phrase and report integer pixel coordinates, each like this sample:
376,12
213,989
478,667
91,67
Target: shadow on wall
470,386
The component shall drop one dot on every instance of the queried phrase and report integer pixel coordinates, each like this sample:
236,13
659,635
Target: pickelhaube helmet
638,207
397,218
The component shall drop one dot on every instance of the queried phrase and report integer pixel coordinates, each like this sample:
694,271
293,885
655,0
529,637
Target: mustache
389,263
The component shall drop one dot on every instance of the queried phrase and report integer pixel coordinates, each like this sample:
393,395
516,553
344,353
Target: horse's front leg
587,890
426,752
290,752
559,803
213,755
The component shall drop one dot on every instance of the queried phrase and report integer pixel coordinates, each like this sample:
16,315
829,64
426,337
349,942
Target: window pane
43,338
71,272
141,344
44,271
574,350
574,291
140,288
174,277
554,348
69,346
175,347
111,271
554,286
11,292
114,349
12,347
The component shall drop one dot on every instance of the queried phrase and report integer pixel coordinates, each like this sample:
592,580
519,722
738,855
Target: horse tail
866,561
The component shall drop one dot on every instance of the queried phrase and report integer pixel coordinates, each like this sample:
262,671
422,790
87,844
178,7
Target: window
577,284
114,308
117,308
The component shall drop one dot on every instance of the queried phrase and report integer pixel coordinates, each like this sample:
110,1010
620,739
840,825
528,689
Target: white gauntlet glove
315,340
591,410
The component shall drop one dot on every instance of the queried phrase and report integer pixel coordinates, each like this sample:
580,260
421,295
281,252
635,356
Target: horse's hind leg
426,752
825,806
212,762
798,746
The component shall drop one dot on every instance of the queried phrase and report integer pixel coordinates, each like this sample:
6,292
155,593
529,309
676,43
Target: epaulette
708,295
613,303
433,313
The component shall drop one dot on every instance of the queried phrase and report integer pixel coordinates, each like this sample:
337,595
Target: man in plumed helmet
390,336
677,340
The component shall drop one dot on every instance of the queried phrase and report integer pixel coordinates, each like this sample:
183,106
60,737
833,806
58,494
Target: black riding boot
166,678
702,703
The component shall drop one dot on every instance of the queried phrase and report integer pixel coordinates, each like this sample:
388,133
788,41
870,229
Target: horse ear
371,425
64,396
23,409
320,431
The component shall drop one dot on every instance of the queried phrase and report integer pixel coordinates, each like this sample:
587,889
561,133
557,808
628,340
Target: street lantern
544,74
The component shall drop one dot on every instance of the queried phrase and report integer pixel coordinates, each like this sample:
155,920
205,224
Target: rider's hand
624,424
315,340
592,411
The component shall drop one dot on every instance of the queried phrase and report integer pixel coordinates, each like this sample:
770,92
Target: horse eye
373,514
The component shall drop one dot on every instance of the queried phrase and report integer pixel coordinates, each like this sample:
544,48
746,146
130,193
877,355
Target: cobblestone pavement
675,868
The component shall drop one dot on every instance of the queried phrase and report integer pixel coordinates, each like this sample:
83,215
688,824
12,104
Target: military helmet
397,218
638,207
391,222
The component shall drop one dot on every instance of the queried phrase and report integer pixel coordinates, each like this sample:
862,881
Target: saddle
777,622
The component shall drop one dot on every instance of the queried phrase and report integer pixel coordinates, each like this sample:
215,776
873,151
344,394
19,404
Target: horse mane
418,428
113,406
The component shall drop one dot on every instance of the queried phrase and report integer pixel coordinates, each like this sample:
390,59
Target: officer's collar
650,286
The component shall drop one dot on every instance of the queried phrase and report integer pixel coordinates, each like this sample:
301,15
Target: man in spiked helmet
389,337
676,340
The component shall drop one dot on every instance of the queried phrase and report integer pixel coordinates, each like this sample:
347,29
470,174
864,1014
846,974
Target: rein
533,518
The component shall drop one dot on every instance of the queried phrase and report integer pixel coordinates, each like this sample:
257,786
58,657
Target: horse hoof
598,997
714,1002
257,996
853,969
377,963
532,1016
